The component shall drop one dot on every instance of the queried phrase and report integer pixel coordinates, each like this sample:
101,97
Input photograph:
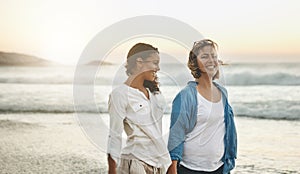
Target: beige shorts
135,166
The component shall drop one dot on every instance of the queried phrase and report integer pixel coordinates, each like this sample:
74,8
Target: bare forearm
112,166
173,168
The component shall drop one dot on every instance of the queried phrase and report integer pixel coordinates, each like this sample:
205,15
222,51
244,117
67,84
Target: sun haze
246,31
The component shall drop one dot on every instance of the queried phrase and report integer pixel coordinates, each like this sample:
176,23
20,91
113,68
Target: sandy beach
55,143
46,143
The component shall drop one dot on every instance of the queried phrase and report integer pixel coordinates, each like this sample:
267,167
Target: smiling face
142,66
149,67
207,60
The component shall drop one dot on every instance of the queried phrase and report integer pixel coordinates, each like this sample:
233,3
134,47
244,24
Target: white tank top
204,146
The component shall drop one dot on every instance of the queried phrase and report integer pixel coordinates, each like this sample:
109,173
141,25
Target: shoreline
297,119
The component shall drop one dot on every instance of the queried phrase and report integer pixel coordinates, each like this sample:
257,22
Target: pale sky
59,30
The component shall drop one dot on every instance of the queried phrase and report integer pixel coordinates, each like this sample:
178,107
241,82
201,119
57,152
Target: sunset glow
60,30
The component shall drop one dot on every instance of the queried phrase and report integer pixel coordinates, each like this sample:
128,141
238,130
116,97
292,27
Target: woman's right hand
112,166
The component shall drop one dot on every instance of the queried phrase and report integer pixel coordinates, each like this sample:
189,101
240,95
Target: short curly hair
193,63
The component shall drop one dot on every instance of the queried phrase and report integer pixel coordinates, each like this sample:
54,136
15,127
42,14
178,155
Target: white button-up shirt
141,118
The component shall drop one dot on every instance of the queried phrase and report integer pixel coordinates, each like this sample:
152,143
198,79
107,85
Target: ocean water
45,96
269,91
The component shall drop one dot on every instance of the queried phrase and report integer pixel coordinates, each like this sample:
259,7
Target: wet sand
46,143
55,143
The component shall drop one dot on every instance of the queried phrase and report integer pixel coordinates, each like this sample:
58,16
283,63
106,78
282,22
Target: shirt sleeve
177,128
117,112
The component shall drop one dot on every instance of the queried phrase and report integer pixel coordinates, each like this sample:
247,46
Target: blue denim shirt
184,118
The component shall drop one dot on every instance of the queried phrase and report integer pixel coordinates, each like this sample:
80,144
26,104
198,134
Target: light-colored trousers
135,166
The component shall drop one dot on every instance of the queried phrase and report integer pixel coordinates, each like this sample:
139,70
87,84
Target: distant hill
16,59
97,62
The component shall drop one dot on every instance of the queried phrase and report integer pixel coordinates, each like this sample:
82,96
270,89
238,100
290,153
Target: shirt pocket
139,107
140,112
